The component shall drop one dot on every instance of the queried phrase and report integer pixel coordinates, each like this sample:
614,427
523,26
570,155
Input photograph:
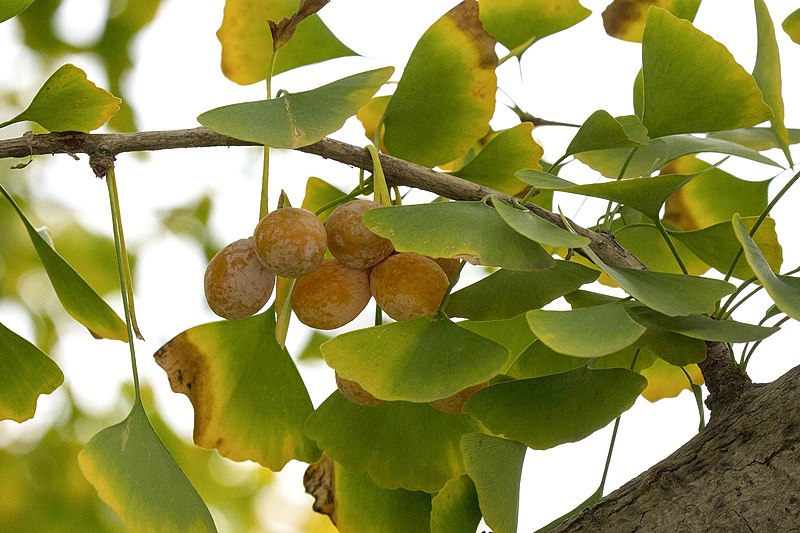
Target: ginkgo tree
684,243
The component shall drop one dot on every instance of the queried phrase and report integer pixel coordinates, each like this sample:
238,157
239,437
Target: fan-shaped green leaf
513,333
507,152
535,228
297,119
717,245
767,73
665,380
702,326
26,373
247,41
625,19
692,83
784,290
601,131
320,193
507,293
135,474
586,332
551,410
646,243
713,197
495,466
68,101
455,508
399,444
446,95
356,505
646,195
77,297
671,294
661,151
466,230
11,8
249,400
756,138
421,360
791,25
514,22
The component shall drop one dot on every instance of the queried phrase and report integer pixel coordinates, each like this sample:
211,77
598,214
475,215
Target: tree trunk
740,474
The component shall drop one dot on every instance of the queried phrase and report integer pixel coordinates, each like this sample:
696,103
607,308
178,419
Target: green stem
517,50
264,206
698,398
558,162
619,177
123,268
761,218
378,178
723,312
358,191
671,245
614,435
746,359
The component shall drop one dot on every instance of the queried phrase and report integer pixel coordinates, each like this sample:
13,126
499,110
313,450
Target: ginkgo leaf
784,290
601,131
767,73
68,101
249,399
646,195
246,40
356,505
455,507
712,197
466,230
297,119
692,82
513,333
791,25
320,193
671,294
625,19
446,96
574,332
717,245
702,326
507,152
530,225
422,360
362,506
507,293
134,473
12,8
370,116
80,301
399,444
756,138
667,381
515,22
495,467
551,410
27,373
661,151
645,242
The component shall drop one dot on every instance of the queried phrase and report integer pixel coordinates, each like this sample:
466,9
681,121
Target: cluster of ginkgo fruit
329,293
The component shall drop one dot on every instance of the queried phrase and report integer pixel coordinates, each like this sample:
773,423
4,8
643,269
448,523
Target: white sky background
176,77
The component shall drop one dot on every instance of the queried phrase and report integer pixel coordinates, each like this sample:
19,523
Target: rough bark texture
742,473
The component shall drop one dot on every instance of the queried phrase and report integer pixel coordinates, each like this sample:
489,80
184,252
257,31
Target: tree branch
102,148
